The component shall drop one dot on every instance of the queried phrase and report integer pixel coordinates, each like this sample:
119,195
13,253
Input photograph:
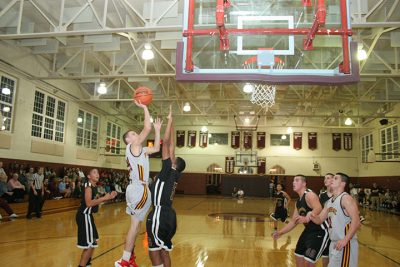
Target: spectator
78,190
361,196
29,176
4,193
23,179
271,188
1,169
374,196
15,186
62,187
53,188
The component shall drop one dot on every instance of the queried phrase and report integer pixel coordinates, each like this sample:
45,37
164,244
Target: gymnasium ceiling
94,43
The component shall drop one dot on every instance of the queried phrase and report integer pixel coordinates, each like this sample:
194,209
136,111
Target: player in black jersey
161,221
281,205
87,231
314,237
323,198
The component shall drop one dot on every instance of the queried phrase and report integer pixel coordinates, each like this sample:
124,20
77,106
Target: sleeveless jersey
83,208
138,164
163,189
339,222
303,209
323,198
280,199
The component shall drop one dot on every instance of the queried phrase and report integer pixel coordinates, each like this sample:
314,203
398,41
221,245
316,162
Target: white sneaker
13,215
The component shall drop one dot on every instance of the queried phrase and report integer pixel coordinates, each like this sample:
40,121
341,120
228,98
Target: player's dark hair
303,177
344,177
180,164
124,136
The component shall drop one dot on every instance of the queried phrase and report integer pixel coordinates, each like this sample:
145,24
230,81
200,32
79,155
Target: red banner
235,139
248,140
297,140
180,138
191,139
336,141
203,138
260,140
229,164
312,141
348,141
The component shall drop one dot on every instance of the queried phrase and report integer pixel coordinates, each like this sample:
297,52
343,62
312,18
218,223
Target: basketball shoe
122,263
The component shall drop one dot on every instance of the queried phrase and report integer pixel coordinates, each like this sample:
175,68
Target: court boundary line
371,248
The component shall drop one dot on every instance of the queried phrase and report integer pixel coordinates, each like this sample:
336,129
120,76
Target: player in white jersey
138,199
343,217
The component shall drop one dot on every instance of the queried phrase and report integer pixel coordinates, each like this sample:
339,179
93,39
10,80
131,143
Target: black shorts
161,227
280,213
311,244
325,253
87,231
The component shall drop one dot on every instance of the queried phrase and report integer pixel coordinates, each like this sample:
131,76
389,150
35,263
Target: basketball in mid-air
143,95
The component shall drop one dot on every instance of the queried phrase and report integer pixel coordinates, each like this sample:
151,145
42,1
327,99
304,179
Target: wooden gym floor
212,231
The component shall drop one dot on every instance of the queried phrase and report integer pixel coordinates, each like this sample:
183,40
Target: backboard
312,38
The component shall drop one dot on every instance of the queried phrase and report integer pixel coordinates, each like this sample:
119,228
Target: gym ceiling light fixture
348,122
204,129
6,109
79,120
6,91
147,53
186,107
102,89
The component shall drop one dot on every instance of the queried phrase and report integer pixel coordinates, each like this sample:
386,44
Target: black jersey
280,199
324,197
163,189
83,208
303,209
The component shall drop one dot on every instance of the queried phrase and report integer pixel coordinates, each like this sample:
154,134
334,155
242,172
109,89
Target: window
280,139
113,140
87,130
48,118
7,102
366,145
390,143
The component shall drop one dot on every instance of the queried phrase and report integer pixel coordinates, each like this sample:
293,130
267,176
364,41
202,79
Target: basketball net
263,94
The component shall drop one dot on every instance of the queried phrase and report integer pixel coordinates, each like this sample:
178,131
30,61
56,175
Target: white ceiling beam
10,5
43,14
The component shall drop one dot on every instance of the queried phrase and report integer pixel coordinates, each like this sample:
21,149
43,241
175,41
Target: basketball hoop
264,94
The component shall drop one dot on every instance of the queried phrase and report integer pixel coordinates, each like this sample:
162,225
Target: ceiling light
348,122
361,55
147,53
248,88
246,120
204,129
79,120
289,130
102,89
283,137
6,109
6,91
186,107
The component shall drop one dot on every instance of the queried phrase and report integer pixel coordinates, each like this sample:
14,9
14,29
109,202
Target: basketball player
282,200
138,197
323,198
87,231
314,237
161,221
343,217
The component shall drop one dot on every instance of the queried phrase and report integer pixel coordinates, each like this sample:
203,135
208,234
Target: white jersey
339,222
138,165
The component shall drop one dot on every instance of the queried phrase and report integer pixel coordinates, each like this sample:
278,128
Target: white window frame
86,130
389,142
113,138
7,117
367,144
42,112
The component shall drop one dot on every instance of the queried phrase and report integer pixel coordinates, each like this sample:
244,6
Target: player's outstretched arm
94,202
157,128
147,124
319,218
351,209
167,136
288,227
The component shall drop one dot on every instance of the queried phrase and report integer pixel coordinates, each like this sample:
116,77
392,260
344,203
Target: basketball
143,95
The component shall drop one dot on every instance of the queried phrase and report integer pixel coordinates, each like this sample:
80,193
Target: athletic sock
126,255
161,265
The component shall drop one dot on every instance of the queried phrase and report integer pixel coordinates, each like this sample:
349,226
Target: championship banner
347,141
235,139
248,140
312,140
261,165
336,141
297,140
180,138
260,140
191,142
229,164
203,139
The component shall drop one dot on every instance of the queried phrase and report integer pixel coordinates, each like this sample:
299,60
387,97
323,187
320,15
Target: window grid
366,145
113,140
7,103
390,143
48,117
87,130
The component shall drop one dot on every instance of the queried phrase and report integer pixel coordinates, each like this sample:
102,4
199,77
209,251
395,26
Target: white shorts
138,200
347,256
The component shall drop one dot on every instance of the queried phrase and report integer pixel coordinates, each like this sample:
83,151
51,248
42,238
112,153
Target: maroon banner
248,140
235,139
229,164
336,141
203,138
261,165
312,140
297,140
191,142
260,140
347,141
180,138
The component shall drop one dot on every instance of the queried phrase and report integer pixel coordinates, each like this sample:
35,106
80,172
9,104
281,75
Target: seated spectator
62,187
118,189
47,192
1,169
23,179
77,193
53,188
15,186
3,195
361,196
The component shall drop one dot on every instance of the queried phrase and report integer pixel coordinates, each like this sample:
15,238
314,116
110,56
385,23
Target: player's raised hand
157,124
275,235
139,104
170,112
